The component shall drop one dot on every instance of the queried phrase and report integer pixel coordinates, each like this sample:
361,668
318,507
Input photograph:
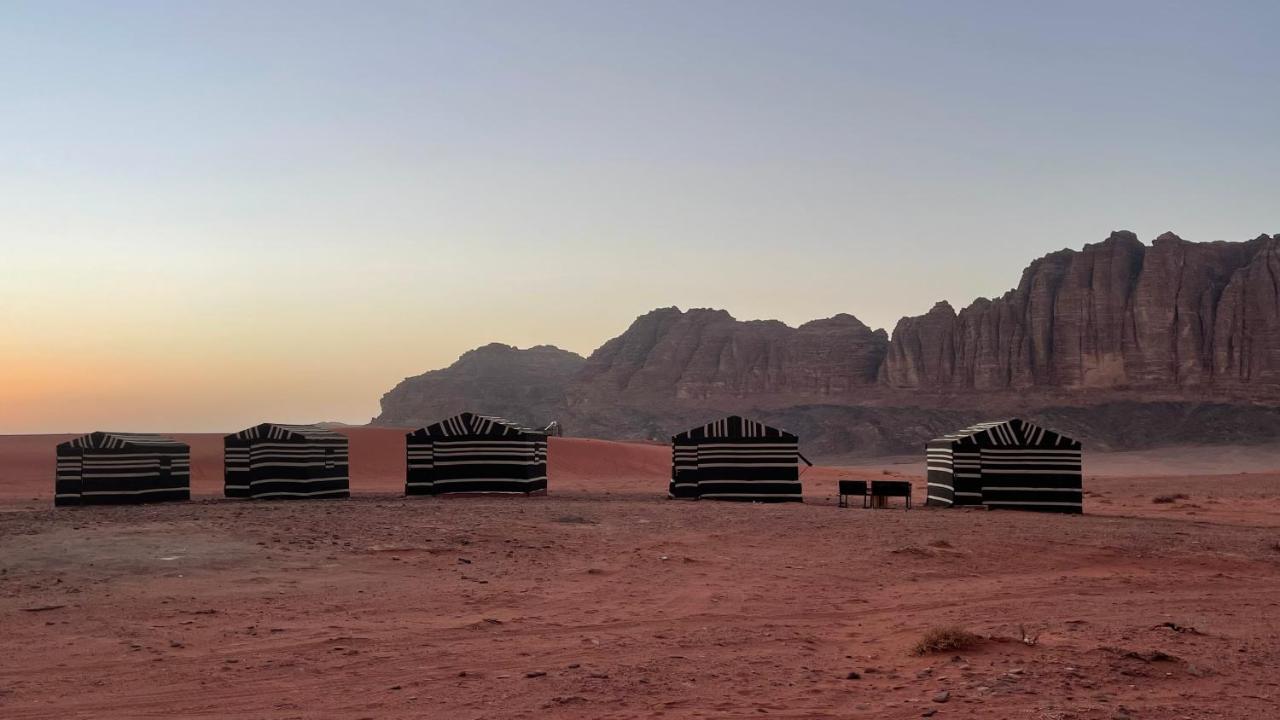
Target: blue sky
335,195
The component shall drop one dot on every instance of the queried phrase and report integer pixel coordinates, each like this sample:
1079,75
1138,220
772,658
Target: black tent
470,453
736,459
1009,464
278,461
112,468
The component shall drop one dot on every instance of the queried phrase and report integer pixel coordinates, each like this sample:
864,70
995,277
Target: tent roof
472,425
734,426
106,439
1014,431
287,432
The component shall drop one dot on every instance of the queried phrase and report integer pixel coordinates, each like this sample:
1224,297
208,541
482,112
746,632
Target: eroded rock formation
1115,315
525,386
1174,335
703,354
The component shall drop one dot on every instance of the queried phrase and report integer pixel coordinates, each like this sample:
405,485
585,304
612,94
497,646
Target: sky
218,213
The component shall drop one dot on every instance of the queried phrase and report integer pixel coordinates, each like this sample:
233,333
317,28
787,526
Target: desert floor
605,600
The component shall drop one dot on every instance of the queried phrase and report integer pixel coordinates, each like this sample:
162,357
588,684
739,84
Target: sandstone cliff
525,386
1116,315
703,354
1122,344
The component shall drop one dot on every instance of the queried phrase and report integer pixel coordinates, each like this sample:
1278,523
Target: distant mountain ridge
524,386
1175,334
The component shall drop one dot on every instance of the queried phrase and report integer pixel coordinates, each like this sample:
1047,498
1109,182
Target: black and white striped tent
736,459
1010,464
286,461
111,468
470,453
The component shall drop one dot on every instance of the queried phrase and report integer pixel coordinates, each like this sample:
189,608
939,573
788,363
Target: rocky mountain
702,354
1174,316
526,386
1182,337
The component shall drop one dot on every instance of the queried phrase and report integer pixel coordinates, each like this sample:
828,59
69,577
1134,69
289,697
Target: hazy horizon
217,214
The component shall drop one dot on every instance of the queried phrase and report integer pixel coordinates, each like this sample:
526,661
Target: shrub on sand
947,638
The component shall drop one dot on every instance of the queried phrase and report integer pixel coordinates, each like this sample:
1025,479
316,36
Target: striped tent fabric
953,466
276,461
1026,467
684,467
736,459
471,453
113,468
939,472
540,463
1017,465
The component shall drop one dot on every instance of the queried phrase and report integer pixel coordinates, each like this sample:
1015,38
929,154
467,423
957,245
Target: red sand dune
604,600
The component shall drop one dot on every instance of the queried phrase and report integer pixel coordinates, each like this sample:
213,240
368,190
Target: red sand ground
604,600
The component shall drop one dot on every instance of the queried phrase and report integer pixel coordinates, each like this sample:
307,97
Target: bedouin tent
275,461
471,453
736,459
1008,464
112,468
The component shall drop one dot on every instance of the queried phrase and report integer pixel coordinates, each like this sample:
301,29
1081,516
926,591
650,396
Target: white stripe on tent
498,479
1002,488
1029,502
315,463
745,466
1016,472
300,494
131,492
452,463
740,482
296,480
735,443
763,495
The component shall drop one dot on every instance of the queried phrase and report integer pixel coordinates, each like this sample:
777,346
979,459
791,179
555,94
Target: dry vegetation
947,638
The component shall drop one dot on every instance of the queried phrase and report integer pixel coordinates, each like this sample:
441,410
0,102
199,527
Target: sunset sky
216,213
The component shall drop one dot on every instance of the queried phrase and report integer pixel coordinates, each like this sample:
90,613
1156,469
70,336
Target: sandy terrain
604,600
